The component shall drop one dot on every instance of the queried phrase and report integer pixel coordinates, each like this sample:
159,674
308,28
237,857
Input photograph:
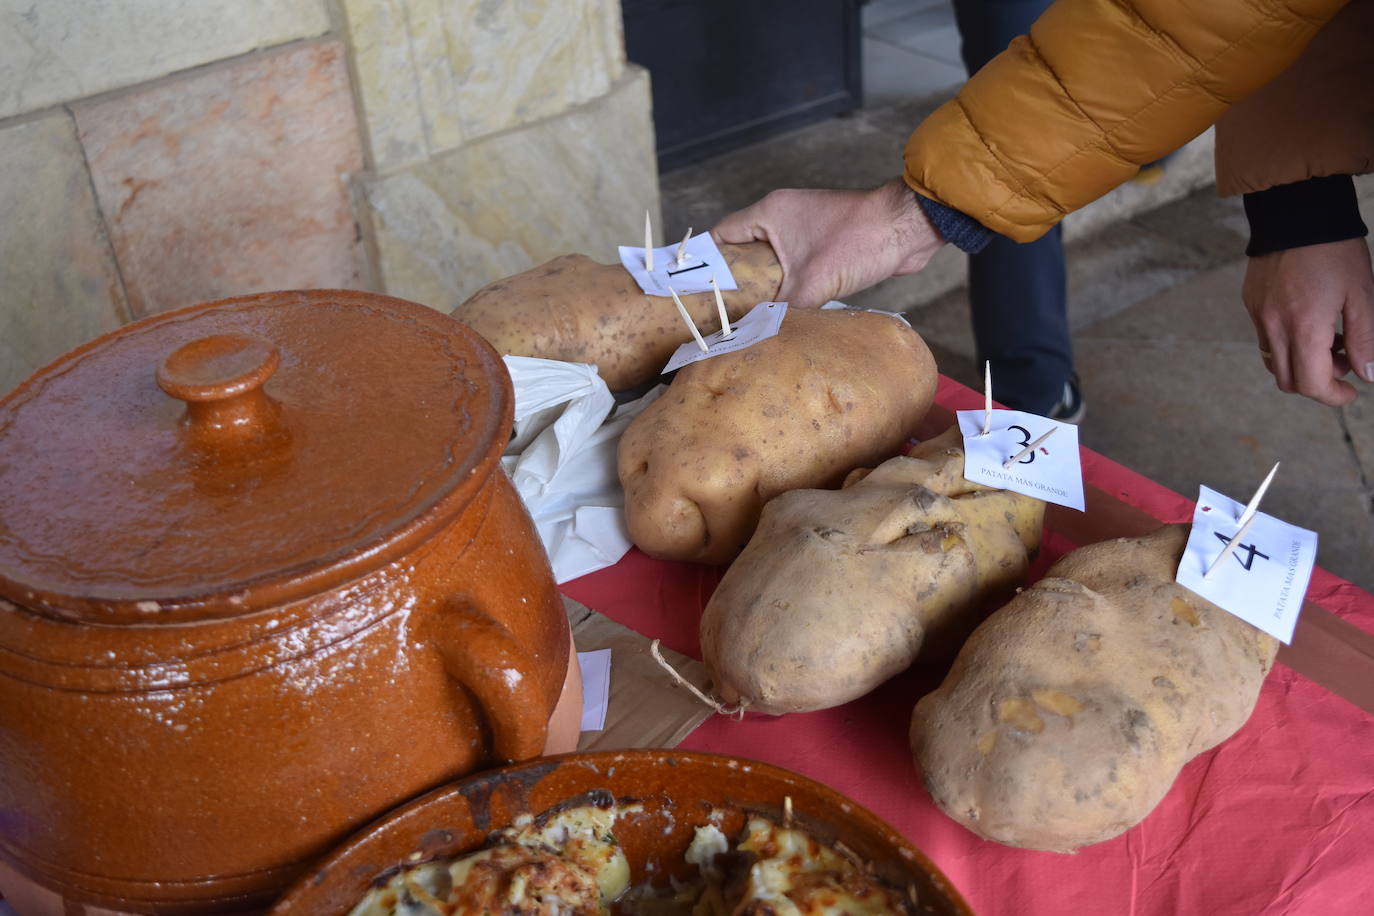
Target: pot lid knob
217,367
220,377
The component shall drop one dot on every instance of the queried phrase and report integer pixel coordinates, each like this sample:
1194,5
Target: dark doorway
729,72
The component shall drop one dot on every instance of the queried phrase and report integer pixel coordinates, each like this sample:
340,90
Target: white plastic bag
562,460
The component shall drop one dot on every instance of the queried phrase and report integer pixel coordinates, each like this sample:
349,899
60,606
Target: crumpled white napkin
562,460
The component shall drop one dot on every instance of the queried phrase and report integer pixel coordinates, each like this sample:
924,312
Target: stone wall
159,153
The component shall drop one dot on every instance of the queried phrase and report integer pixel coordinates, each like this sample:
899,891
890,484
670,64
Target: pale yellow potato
1069,713
832,391
578,310
841,589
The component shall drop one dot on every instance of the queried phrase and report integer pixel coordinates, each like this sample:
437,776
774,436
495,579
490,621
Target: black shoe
1071,407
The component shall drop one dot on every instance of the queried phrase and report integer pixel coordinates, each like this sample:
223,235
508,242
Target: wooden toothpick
682,248
720,307
987,397
1006,465
648,243
1247,518
682,310
1253,505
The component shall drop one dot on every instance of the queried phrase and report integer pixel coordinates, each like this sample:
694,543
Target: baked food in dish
568,862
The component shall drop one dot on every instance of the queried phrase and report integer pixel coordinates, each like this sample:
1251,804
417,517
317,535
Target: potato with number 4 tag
1069,713
578,310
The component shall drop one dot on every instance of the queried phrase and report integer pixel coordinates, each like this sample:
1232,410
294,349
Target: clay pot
674,793
261,580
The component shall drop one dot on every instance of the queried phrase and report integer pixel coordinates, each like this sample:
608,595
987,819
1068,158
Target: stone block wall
159,153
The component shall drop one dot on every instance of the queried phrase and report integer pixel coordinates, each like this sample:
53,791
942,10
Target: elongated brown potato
1069,713
834,390
841,589
578,310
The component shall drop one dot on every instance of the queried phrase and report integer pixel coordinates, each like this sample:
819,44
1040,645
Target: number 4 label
1265,580
1249,549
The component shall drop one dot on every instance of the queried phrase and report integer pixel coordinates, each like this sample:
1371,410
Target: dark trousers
1017,291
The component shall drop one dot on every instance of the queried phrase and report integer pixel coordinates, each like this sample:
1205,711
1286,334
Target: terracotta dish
262,579
678,791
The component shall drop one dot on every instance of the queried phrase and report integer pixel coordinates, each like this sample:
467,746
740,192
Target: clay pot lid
237,455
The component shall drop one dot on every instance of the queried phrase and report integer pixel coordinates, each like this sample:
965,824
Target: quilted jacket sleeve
1316,119
1098,88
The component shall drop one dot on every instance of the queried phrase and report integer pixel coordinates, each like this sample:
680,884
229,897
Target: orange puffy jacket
1315,119
1098,88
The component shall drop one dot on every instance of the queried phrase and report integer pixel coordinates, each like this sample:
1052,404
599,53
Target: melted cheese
566,865
794,875
586,836
569,864
707,843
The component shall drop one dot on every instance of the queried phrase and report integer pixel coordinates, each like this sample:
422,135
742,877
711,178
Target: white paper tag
1264,580
761,323
837,304
1051,471
596,688
701,260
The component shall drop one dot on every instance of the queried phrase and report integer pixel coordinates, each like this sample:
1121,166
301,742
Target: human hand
1297,298
834,243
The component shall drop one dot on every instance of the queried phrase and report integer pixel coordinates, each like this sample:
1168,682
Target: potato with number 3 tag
841,589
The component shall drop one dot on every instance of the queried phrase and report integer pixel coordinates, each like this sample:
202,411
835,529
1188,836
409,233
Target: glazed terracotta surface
261,580
678,791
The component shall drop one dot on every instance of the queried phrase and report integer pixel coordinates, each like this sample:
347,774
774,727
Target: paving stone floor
1166,353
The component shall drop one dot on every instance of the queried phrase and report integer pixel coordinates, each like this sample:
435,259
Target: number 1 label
700,261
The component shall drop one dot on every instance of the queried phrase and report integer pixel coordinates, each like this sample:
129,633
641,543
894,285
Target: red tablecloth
1279,819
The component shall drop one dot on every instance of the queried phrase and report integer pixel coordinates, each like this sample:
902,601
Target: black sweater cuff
1308,212
956,227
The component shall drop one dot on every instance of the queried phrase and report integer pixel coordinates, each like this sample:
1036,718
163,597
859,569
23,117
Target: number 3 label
1021,446
1051,471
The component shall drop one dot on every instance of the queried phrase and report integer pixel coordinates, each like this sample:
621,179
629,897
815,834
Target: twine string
721,708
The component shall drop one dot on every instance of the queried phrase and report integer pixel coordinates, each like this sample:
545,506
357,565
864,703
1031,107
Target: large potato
577,310
832,391
1069,713
840,589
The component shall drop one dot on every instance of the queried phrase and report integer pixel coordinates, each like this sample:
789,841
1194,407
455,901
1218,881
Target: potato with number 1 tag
578,311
